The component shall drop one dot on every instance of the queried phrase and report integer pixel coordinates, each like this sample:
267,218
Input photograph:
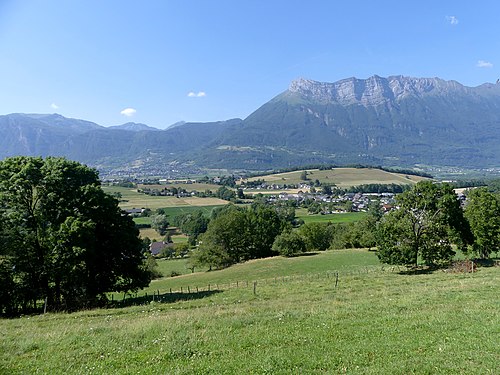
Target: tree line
427,228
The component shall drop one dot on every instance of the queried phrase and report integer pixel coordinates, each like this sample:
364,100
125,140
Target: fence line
335,275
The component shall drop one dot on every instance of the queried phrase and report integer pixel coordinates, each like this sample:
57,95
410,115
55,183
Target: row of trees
62,239
427,227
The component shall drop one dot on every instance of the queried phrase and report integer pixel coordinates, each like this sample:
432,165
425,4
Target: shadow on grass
309,254
418,271
492,262
163,298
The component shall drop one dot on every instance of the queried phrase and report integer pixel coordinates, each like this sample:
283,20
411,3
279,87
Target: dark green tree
65,239
289,243
428,221
483,213
226,241
235,235
264,224
225,193
317,236
193,224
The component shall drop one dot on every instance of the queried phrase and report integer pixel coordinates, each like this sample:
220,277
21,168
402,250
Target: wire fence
200,291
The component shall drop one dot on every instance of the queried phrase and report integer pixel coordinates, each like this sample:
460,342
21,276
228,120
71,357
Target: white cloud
54,106
452,20
129,112
199,94
484,64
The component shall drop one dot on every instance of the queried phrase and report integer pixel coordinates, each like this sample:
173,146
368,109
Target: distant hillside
399,121
133,126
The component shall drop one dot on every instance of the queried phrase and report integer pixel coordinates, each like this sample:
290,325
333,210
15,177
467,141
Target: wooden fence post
255,287
336,279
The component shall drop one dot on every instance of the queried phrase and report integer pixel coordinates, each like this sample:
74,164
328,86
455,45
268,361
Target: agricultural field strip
342,177
130,198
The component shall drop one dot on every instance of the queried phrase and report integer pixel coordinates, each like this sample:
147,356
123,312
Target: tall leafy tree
193,224
483,213
66,239
265,224
235,235
159,222
429,219
317,236
227,240
289,243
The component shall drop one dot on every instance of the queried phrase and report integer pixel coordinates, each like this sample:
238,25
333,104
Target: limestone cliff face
375,90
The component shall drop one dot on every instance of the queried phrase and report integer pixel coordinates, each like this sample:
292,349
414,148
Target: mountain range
396,120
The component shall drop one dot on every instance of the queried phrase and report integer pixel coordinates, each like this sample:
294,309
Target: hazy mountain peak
176,124
133,126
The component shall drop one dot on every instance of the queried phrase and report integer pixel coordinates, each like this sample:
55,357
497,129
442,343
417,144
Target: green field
376,322
267,269
348,217
343,177
201,187
172,212
132,199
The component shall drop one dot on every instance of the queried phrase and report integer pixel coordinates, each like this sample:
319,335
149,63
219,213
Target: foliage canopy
429,219
62,238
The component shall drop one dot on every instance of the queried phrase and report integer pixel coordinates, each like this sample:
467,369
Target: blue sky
163,61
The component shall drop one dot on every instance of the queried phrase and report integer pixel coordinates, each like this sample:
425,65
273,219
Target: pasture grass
269,268
371,323
343,177
348,217
150,233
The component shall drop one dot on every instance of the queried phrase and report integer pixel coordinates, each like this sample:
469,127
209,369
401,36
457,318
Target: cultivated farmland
133,199
342,177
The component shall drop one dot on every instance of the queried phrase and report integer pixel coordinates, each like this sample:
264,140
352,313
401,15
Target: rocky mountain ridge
377,90
396,120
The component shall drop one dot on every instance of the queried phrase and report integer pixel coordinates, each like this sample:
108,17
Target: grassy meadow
348,217
377,322
132,199
343,177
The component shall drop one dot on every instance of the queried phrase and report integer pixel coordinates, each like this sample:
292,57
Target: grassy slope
343,177
372,323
